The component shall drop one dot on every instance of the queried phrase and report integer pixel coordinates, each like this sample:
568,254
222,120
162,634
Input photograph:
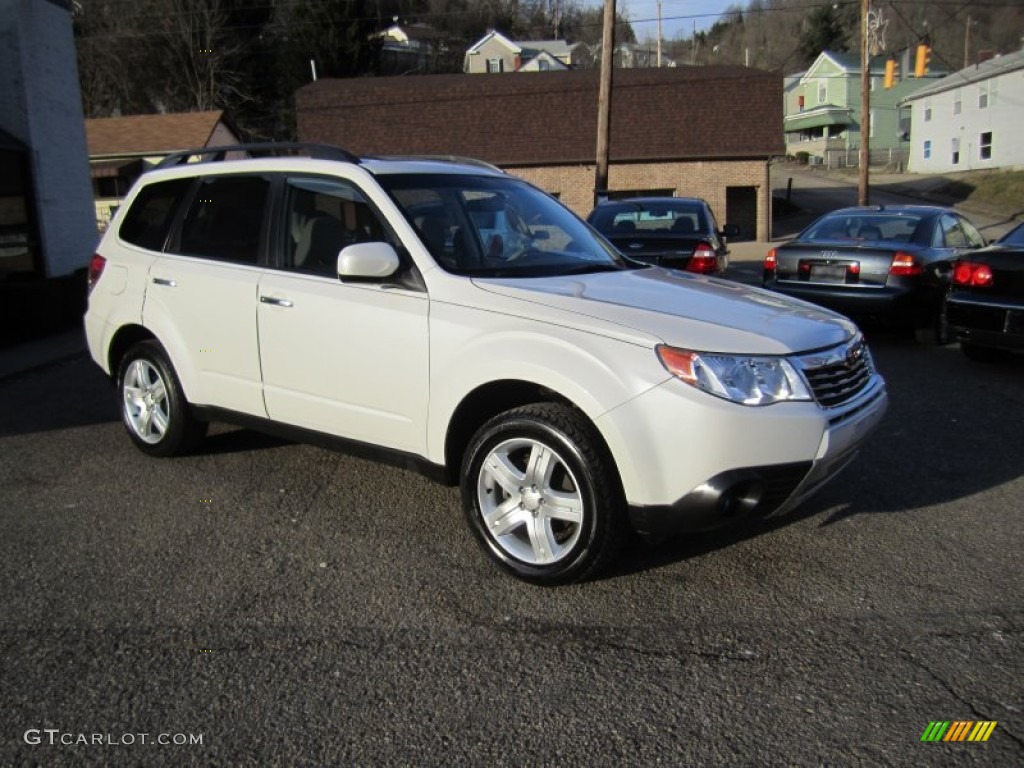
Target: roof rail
444,159
270,148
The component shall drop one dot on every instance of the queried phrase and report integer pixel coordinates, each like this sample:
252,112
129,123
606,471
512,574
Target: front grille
838,375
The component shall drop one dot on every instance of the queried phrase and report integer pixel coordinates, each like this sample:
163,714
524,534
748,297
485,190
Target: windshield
864,226
489,226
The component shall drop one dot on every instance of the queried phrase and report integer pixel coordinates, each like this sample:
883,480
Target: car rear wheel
153,406
540,495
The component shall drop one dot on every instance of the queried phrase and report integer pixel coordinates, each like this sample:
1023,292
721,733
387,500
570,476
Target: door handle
165,281
276,302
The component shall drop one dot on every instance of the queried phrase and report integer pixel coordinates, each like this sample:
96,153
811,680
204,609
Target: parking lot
294,606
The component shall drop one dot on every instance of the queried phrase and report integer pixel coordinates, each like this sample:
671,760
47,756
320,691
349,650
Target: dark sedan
675,232
985,306
888,265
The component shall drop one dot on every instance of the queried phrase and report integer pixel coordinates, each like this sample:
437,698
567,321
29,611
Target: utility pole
659,33
604,101
865,104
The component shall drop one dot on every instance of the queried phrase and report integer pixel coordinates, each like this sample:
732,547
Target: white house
970,119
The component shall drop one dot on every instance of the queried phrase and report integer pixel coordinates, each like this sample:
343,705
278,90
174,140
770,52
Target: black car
675,232
887,264
985,305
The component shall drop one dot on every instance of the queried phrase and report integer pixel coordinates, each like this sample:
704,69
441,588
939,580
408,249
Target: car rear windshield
864,226
669,217
1015,237
497,226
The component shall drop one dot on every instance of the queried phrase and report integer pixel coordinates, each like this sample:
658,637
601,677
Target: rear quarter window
148,221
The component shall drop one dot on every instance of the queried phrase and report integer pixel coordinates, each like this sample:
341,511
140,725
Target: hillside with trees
249,56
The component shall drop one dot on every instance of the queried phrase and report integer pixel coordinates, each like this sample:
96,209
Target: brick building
690,131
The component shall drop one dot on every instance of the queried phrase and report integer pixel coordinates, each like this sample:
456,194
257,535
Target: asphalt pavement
268,603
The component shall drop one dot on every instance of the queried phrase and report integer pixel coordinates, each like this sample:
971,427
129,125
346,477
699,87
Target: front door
348,359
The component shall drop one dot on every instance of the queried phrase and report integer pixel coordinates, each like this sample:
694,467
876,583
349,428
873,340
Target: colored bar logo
959,730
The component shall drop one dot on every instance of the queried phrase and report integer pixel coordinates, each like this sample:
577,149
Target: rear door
201,296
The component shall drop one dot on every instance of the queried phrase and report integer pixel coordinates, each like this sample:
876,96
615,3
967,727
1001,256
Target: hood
684,310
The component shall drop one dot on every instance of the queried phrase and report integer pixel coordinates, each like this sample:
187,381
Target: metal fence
890,159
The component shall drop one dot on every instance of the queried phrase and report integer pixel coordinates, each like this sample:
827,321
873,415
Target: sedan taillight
703,260
977,275
96,265
905,265
771,263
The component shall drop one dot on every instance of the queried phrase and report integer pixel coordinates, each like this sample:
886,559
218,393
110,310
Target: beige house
122,148
494,53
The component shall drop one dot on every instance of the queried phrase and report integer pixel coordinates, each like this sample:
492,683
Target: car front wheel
540,494
153,406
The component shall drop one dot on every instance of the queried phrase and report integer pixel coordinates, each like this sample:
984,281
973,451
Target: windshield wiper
583,269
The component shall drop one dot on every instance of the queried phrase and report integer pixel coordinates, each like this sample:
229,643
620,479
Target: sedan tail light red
905,265
96,265
703,260
977,275
771,261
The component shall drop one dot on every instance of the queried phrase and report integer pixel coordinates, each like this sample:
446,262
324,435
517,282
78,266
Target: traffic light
924,53
892,73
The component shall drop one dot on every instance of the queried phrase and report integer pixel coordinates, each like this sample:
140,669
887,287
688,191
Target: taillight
905,265
977,275
703,260
96,265
771,261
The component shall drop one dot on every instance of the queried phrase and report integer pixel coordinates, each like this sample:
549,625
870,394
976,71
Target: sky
677,16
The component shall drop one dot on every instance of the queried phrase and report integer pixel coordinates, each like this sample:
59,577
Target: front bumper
778,460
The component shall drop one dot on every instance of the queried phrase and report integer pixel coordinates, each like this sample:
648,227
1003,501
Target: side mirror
367,261
730,230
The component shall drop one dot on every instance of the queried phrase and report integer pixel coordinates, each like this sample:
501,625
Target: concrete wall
40,104
574,185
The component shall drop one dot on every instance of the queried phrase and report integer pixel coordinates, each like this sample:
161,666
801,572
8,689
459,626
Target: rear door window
225,220
148,221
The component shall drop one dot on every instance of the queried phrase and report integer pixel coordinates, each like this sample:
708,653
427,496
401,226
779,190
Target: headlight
744,379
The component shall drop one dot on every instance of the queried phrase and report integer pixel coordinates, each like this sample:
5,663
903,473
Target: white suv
457,320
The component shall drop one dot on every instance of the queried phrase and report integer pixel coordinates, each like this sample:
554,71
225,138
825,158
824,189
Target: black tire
148,385
556,448
982,354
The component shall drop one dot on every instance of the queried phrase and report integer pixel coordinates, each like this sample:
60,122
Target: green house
823,111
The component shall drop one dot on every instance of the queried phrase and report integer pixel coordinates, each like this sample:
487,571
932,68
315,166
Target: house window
928,149
543,65
957,102
928,111
822,92
956,151
986,95
872,119
985,146
495,65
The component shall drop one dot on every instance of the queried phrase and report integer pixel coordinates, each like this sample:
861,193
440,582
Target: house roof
826,115
553,61
495,35
150,134
1001,65
557,48
551,119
